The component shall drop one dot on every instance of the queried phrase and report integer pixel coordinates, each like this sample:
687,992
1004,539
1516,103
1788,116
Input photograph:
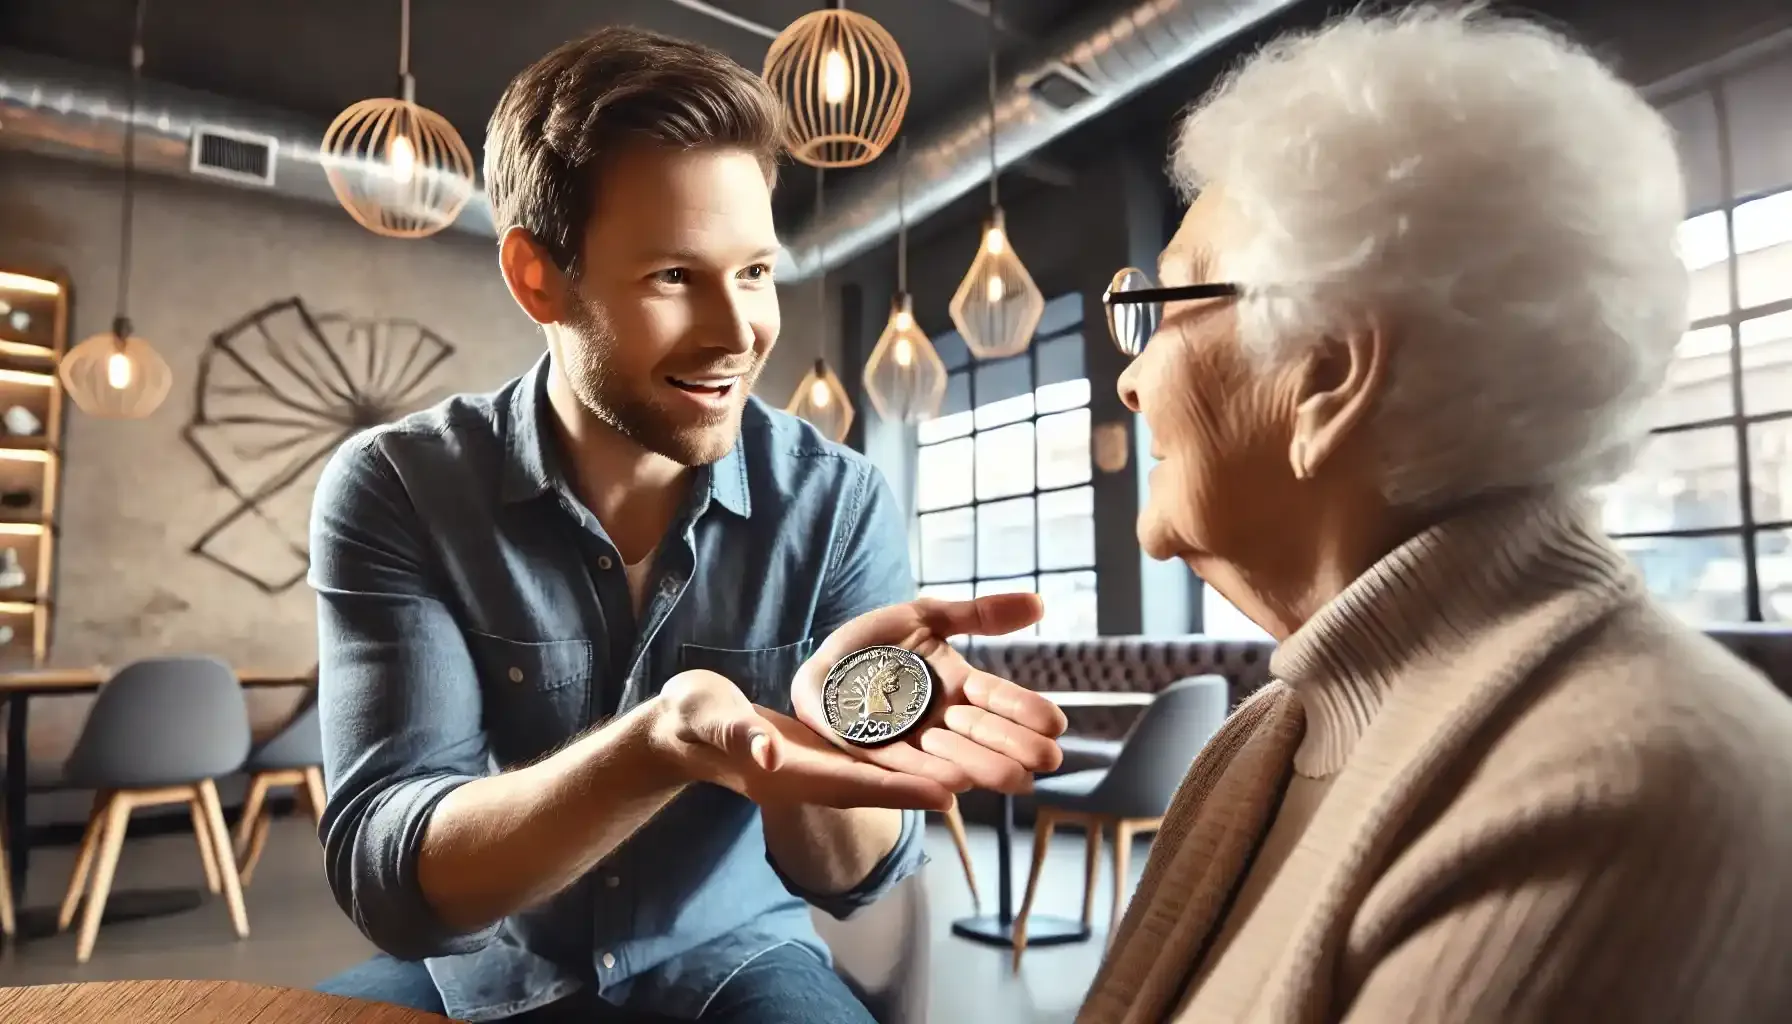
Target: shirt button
604,563
611,881
609,960
516,674
670,586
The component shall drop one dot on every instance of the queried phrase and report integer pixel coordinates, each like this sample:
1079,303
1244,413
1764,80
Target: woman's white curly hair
1490,193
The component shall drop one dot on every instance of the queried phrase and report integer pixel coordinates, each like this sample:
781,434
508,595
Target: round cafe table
193,1002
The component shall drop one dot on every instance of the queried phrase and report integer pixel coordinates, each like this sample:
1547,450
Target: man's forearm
499,845
827,849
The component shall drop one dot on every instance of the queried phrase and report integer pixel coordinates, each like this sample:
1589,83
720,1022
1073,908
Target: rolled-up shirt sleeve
868,569
399,701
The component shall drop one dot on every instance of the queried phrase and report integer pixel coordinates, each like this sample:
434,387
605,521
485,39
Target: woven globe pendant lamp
843,84
399,169
117,375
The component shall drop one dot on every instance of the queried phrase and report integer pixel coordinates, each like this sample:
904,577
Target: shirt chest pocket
536,694
764,674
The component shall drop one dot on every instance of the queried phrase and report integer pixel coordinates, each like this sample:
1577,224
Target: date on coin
876,694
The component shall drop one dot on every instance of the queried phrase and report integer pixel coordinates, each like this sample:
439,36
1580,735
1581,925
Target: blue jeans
786,985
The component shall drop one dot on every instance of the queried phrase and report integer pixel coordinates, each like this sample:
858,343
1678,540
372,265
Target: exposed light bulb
836,77
401,156
903,353
996,290
818,394
118,371
905,319
994,241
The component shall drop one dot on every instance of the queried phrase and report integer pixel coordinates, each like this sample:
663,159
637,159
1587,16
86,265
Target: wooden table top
77,680
193,1002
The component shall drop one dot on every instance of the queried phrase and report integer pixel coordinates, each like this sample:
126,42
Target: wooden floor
299,937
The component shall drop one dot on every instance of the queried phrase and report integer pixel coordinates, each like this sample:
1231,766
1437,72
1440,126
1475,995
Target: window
1003,478
1707,510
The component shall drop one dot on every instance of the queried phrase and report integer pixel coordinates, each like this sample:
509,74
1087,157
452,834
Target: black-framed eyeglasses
1135,305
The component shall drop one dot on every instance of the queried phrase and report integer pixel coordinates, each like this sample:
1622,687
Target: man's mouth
704,385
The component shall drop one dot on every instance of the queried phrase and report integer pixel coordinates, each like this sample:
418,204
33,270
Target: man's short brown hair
557,121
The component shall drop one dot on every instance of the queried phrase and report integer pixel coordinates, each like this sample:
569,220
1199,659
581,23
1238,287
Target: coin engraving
876,694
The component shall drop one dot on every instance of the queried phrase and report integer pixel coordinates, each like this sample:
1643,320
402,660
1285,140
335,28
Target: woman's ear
1341,381
535,282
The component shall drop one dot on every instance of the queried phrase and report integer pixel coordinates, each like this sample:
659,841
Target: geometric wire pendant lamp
905,377
997,306
399,169
117,375
843,85
820,398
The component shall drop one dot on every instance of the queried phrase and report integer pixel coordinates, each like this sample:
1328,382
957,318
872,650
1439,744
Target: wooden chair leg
1123,833
9,925
252,804
233,890
1043,822
315,794
955,825
118,817
1091,861
202,836
258,838
90,842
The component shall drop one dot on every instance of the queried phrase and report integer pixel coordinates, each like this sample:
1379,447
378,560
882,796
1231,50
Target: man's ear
1342,381
535,282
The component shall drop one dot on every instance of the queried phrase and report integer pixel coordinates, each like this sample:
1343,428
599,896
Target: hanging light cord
407,86
902,215
821,280
994,196
121,324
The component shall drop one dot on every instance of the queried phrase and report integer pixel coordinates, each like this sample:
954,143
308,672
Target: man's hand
712,733
982,731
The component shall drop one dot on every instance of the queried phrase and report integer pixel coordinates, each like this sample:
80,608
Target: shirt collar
531,466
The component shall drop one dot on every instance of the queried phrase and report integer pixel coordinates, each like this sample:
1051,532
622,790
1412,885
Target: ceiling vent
1061,87
246,158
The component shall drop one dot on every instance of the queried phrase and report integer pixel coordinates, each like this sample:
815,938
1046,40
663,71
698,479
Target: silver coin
876,694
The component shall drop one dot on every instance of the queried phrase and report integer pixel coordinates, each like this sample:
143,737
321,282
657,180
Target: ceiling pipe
69,110
1084,72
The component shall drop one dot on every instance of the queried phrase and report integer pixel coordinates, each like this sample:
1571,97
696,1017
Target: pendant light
905,377
117,375
820,397
997,306
399,169
843,84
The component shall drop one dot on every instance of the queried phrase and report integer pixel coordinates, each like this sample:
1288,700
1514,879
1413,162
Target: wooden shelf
33,339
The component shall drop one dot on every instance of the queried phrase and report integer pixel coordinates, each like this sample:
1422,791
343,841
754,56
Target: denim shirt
473,616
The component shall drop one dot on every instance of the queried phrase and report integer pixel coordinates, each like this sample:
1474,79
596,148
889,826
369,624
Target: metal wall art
278,391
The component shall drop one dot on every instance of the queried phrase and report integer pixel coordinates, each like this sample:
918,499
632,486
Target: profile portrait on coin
876,694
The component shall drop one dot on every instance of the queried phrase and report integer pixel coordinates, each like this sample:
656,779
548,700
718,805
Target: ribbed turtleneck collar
1426,600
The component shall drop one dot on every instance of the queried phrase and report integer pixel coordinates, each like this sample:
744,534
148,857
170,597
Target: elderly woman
1427,284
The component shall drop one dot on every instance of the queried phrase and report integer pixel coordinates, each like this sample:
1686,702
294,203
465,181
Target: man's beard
632,409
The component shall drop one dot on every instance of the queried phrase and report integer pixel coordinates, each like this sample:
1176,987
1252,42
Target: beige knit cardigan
1566,806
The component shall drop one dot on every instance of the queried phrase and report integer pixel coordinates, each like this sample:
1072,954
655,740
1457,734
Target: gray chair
160,732
292,757
1130,797
884,952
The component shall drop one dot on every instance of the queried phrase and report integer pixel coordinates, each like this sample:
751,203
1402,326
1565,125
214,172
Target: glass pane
1017,585
1059,359
1004,461
1705,247
1066,394
952,349
1064,449
1061,314
1686,480
1070,609
1766,363
946,545
949,591
1698,382
943,474
1694,119
1004,392
1067,528
1005,542
1773,561
1770,470
1760,127
1698,578
1222,620
1764,250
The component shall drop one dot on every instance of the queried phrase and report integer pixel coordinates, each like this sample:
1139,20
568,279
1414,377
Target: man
572,721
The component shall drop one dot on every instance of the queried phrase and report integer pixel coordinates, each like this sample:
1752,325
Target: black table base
998,929
121,905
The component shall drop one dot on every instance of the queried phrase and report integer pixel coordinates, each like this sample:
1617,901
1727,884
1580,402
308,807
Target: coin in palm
876,694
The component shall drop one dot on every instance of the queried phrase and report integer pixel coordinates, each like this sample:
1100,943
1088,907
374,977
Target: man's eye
671,275
756,272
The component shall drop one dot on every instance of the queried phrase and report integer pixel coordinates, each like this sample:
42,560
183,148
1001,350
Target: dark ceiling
315,57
